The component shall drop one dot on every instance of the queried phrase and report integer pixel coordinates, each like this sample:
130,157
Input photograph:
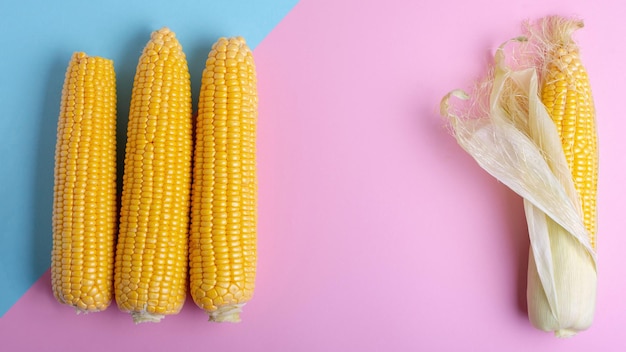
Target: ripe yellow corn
85,209
547,153
566,93
223,221
151,258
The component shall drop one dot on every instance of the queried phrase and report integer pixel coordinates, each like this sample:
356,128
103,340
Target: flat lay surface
376,230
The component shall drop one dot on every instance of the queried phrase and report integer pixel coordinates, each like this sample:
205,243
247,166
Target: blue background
37,40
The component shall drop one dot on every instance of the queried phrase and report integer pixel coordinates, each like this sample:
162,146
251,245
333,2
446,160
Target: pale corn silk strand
516,141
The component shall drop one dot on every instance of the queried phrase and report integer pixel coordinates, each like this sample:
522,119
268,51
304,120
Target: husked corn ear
223,222
85,209
546,152
566,93
151,259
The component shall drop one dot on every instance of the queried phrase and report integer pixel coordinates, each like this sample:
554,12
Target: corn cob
151,258
566,94
85,209
548,155
223,221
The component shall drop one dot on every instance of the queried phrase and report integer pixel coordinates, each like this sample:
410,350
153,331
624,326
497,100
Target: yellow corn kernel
223,221
566,93
151,258
85,210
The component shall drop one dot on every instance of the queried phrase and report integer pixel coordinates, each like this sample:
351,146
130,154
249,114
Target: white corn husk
516,141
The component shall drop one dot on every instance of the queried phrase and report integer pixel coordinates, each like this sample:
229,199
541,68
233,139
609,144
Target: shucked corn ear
151,257
566,93
85,210
552,164
223,221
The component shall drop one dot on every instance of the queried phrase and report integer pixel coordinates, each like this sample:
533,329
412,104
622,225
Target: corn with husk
537,135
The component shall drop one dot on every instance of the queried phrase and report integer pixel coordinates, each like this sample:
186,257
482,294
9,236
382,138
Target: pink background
377,232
